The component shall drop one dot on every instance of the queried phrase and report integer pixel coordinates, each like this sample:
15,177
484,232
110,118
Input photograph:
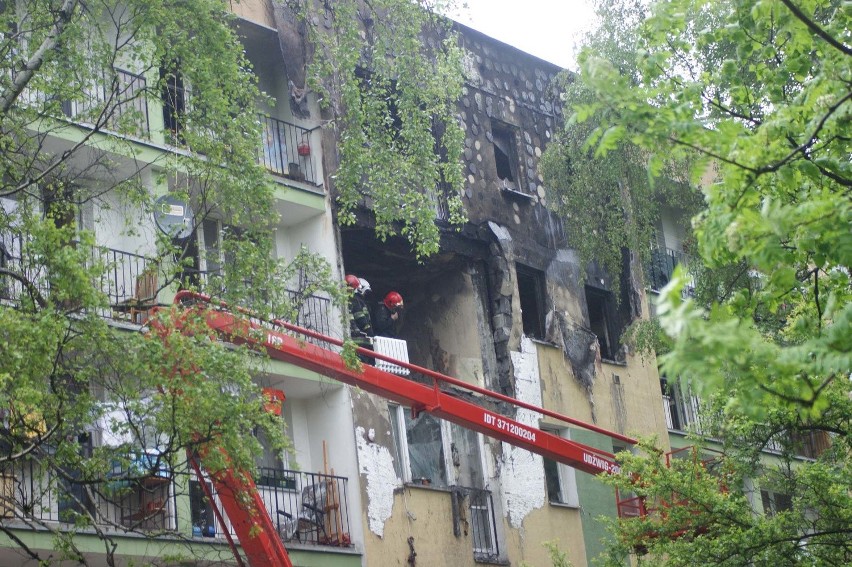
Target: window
174,103
560,479
531,295
505,155
432,452
601,307
775,502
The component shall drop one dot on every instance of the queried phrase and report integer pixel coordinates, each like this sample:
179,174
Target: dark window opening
775,502
505,154
174,104
531,295
554,485
601,308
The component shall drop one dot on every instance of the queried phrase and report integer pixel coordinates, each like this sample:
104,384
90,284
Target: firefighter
360,326
387,315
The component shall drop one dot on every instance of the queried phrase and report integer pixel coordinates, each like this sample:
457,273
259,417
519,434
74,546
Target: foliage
609,191
738,506
389,75
760,91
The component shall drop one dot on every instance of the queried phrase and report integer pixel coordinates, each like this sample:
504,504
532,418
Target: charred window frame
531,293
505,143
603,321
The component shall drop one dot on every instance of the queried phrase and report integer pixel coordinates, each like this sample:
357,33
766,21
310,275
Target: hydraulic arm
286,342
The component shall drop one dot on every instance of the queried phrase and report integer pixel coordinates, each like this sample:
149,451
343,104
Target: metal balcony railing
131,283
286,151
662,265
118,100
313,312
308,508
127,500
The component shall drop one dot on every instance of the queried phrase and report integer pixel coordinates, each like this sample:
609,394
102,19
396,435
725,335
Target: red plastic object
273,400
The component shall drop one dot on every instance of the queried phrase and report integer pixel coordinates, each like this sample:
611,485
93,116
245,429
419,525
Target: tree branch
63,16
811,25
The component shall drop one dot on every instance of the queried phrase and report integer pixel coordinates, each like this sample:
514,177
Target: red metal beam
282,346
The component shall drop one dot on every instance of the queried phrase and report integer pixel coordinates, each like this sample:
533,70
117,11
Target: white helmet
363,286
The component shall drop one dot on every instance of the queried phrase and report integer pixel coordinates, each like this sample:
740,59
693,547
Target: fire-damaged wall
506,305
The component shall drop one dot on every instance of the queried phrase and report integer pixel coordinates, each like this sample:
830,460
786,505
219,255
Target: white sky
545,28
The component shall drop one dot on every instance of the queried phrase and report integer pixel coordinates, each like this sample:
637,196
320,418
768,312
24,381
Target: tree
389,76
757,94
76,78
630,184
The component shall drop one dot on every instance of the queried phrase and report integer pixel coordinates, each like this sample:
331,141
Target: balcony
118,102
661,267
131,500
307,508
131,284
286,151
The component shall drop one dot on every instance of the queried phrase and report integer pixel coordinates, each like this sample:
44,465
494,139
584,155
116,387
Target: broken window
505,155
602,321
419,447
560,479
531,295
431,452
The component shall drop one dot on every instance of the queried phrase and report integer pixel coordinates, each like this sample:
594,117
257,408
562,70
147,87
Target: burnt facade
504,306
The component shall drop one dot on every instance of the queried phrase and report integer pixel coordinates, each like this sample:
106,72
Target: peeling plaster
375,463
522,472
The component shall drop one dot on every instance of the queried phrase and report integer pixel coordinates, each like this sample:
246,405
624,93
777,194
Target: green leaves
391,75
760,91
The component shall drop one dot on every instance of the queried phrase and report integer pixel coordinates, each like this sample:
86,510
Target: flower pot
304,149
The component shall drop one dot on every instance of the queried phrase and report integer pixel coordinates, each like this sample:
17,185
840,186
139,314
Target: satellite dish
173,216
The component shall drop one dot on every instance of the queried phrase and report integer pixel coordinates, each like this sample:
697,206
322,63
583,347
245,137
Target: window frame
402,460
507,134
605,312
566,475
536,287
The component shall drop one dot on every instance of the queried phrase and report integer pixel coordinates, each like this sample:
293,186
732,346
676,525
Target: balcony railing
662,265
308,508
286,150
130,501
682,411
130,283
123,97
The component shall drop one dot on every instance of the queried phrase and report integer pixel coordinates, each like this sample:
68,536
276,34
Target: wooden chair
144,296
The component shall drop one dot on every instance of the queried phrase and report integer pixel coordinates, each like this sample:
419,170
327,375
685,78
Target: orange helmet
352,281
393,300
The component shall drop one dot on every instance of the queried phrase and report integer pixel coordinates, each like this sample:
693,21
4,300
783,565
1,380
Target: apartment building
506,306
128,133
502,306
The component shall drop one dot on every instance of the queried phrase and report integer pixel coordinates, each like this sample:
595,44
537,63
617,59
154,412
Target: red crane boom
248,516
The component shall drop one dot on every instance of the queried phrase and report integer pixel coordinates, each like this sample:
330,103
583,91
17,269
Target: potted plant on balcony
304,148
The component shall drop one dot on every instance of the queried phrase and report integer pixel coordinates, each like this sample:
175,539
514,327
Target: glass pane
393,411
425,450
466,458
551,476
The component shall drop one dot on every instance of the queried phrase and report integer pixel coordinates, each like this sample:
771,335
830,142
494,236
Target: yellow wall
258,11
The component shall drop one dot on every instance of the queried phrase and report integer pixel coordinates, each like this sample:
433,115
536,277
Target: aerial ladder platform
286,342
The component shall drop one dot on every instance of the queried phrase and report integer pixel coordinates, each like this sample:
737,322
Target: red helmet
393,300
352,281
